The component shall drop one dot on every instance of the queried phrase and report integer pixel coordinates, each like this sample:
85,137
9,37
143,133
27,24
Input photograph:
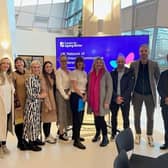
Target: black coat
163,87
126,84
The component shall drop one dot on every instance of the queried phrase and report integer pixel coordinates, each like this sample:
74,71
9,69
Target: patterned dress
32,128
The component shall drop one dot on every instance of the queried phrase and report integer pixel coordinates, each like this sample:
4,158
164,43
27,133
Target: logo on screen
62,44
128,60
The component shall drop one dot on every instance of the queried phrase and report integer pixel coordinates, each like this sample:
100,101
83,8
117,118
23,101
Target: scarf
94,91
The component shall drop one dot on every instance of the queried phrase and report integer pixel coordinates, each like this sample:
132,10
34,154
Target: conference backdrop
107,47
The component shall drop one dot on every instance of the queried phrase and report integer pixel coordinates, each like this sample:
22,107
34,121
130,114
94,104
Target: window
148,31
126,3
139,1
35,2
162,46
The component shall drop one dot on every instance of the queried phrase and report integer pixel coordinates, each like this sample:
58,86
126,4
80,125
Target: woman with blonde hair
35,92
99,97
6,103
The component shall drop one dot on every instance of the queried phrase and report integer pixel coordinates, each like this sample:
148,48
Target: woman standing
35,92
49,104
63,93
19,78
77,100
6,103
99,97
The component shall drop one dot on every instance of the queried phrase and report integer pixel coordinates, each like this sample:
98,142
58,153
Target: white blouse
62,82
81,78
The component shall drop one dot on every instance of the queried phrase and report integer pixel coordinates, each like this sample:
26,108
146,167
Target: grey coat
106,89
154,73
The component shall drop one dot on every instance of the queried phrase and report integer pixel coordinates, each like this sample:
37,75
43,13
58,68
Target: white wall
162,20
35,43
147,14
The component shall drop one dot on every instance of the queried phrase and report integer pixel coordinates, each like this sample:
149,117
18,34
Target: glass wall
148,31
74,13
162,46
35,2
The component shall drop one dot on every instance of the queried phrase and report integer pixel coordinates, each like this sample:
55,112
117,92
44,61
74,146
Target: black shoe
34,147
63,137
96,138
23,145
82,139
164,146
79,145
104,142
39,142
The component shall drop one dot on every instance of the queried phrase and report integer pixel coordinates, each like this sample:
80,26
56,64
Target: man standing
146,77
123,82
163,92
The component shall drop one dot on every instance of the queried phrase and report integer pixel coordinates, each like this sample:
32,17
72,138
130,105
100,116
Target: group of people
41,95
138,85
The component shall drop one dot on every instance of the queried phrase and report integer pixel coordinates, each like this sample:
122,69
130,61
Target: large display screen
107,47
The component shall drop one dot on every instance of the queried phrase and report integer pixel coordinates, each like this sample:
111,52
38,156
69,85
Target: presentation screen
107,47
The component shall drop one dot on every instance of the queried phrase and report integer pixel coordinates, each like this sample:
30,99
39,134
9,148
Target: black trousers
77,116
46,129
100,125
165,120
125,108
19,131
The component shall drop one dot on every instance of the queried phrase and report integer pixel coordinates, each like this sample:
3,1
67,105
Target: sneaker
5,149
138,138
150,140
1,153
50,140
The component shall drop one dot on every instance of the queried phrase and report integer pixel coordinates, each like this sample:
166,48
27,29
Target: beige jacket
3,114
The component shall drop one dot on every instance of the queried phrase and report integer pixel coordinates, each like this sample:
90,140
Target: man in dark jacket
123,82
163,92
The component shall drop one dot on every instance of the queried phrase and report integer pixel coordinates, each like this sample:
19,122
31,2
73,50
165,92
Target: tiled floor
64,155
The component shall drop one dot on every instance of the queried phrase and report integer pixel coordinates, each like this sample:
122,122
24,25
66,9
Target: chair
125,141
121,161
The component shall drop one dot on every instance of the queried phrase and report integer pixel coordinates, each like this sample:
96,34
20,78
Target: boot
33,146
105,141
23,145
